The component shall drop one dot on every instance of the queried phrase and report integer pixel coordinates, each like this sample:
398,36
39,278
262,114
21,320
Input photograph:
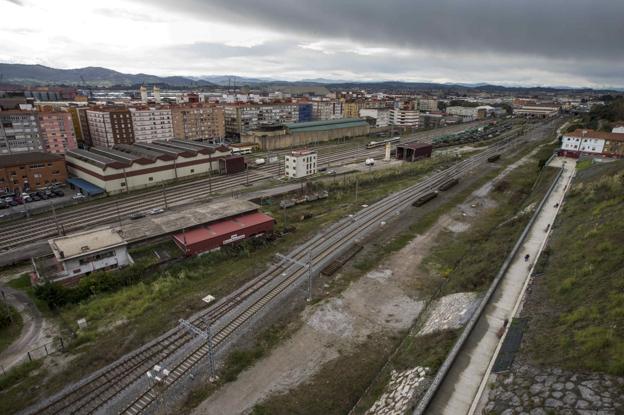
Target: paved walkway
459,388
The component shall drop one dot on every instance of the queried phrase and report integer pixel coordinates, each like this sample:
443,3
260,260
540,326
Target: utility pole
58,229
210,181
164,195
118,215
207,336
307,265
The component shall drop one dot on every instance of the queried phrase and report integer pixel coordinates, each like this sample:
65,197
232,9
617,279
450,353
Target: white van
370,162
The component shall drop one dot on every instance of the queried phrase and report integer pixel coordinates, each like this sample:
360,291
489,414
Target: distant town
166,243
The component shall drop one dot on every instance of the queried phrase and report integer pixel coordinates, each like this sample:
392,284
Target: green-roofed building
304,133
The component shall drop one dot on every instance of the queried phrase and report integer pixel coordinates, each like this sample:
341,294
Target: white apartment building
19,132
404,118
150,124
300,163
584,141
85,252
240,120
381,116
327,110
465,113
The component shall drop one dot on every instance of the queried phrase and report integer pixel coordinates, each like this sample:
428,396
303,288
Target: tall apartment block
198,122
19,132
327,110
81,126
241,119
57,131
110,126
151,124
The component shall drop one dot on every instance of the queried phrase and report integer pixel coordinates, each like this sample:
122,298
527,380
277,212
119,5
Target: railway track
103,386
27,231
357,228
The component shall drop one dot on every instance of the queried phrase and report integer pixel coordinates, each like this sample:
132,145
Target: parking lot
38,201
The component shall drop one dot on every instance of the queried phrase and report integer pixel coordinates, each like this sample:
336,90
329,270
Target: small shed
413,151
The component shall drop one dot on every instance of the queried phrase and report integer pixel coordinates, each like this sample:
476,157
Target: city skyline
554,44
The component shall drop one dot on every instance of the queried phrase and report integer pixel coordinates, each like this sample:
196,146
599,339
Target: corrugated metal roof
222,228
326,125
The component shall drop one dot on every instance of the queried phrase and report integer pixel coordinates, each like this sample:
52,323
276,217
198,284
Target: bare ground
384,301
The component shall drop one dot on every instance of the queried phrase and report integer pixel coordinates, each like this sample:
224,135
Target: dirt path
36,330
385,300
382,301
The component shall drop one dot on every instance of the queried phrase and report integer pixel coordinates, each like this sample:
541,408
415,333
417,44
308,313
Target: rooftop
604,135
326,125
19,159
177,219
220,228
87,242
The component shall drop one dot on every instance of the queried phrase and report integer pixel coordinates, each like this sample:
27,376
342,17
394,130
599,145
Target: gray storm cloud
572,29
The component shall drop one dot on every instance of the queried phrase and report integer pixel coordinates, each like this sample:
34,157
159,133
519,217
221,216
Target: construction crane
85,86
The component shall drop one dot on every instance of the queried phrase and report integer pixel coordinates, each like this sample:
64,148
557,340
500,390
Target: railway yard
193,346
22,232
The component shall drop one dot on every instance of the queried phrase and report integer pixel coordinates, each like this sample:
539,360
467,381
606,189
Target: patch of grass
238,361
13,327
335,388
18,373
583,164
22,283
470,260
576,308
21,378
425,351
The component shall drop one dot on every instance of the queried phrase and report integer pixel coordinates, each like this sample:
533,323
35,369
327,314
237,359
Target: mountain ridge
95,76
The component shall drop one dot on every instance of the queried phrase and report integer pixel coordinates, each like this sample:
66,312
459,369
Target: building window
123,184
150,179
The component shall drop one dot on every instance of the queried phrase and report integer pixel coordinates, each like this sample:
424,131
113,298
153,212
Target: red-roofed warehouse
214,235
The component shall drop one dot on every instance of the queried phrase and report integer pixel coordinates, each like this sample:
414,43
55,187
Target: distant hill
102,77
232,80
92,75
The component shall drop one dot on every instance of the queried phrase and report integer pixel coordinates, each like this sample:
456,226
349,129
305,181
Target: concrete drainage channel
461,341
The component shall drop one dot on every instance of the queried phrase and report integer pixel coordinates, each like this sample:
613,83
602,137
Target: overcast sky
511,42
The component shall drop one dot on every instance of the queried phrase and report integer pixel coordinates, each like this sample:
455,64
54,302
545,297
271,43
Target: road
123,383
20,232
460,390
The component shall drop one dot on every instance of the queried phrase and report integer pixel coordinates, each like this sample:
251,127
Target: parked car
12,202
58,192
78,196
36,198
136,215
155,211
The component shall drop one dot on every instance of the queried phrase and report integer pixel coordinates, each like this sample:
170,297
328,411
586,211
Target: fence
459,344
58,344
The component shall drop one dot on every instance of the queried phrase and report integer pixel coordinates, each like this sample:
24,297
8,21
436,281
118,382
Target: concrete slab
462,383
184,217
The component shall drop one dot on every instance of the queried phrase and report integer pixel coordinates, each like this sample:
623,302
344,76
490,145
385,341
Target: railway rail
233,311
27,231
